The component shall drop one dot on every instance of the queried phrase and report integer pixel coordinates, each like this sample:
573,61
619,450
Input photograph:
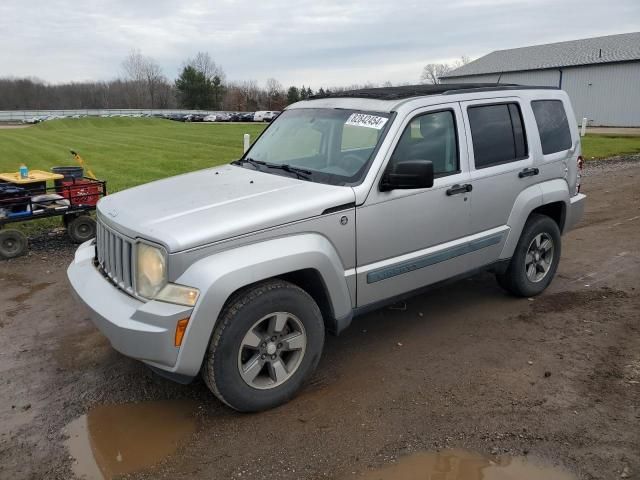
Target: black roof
408,91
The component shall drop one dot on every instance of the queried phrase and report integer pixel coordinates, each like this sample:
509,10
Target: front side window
431,136
553,125
497,133
324,145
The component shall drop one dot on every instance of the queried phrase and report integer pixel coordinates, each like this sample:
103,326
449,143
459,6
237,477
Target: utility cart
72,197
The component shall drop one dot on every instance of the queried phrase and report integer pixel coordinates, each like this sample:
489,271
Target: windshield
322,145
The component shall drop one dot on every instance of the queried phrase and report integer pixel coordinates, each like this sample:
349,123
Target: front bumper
141,330
575,211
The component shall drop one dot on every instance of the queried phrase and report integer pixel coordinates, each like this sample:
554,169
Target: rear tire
267,341
13,243
81,229
535,260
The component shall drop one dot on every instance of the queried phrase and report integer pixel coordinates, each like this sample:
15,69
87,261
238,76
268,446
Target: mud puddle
113,440
33,289
464,465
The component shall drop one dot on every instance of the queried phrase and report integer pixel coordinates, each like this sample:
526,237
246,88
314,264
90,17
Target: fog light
181,327
179,294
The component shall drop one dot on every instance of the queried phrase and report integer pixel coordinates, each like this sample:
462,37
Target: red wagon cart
72,197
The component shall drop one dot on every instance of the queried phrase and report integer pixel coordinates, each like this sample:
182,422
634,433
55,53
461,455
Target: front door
410,238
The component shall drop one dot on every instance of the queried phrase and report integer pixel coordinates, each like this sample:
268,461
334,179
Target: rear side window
498,134
553,125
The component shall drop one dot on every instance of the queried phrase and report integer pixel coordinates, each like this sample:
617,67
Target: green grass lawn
602,146
124,151
130,151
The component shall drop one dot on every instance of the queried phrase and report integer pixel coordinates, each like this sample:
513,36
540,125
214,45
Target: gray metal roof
612,48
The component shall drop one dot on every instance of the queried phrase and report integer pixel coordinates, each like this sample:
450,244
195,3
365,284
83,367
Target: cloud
315,43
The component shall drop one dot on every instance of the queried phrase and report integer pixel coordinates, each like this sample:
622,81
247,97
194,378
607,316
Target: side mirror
408,174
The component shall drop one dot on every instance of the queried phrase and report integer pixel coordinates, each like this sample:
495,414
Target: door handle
456,189
529,172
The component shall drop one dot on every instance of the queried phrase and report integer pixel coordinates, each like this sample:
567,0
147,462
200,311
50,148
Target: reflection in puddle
463,465
116,439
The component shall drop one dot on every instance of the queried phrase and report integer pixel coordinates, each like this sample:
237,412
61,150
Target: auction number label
364,120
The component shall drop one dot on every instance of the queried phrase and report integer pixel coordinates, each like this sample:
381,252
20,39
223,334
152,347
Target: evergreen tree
293,95
217,92
195,90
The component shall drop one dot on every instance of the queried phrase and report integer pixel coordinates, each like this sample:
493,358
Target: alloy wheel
272,350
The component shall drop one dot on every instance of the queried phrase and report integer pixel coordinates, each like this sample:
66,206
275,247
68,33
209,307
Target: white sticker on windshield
364,120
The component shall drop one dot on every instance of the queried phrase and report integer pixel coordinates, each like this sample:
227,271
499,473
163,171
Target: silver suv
344,204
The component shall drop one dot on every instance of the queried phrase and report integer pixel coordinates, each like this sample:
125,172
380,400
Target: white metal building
601,75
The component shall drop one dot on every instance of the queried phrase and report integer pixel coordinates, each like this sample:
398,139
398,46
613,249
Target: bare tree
145,79
204,64
249,91
432,72
275,93
154,80
133,69
463,60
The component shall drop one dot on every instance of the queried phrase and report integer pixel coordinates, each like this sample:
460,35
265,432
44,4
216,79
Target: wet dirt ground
552,381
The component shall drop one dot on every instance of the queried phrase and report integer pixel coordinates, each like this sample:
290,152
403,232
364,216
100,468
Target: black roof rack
408,91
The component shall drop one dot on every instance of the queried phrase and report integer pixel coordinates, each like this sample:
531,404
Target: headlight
151,271
151,278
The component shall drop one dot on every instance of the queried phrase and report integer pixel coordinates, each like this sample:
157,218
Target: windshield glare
334,145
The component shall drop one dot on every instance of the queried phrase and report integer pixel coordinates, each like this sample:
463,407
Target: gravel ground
463,366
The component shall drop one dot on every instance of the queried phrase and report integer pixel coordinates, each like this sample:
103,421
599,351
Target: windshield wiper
301,173
250,161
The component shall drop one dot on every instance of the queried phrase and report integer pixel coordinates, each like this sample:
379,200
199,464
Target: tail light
580,162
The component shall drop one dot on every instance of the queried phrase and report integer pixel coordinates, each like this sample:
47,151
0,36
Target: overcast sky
317,43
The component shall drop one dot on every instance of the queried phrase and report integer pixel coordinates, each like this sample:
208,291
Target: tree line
200,85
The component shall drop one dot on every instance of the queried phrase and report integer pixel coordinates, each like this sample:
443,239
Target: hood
215,204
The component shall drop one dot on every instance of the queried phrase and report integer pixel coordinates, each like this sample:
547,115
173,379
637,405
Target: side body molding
221,274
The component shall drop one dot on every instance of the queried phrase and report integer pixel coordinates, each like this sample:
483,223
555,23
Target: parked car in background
236,272
194,117
246,117
176,117
265,116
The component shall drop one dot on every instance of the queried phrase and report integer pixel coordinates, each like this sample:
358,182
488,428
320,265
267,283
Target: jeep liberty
343,204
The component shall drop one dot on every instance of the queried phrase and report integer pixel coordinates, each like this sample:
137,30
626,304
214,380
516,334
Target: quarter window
430,137
553,125
498,134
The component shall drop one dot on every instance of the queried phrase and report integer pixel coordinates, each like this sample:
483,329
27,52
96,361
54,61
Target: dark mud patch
465,465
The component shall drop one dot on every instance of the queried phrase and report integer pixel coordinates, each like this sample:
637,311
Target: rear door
501,162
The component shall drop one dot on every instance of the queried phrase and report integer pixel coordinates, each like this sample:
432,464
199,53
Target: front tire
535,260
267,342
